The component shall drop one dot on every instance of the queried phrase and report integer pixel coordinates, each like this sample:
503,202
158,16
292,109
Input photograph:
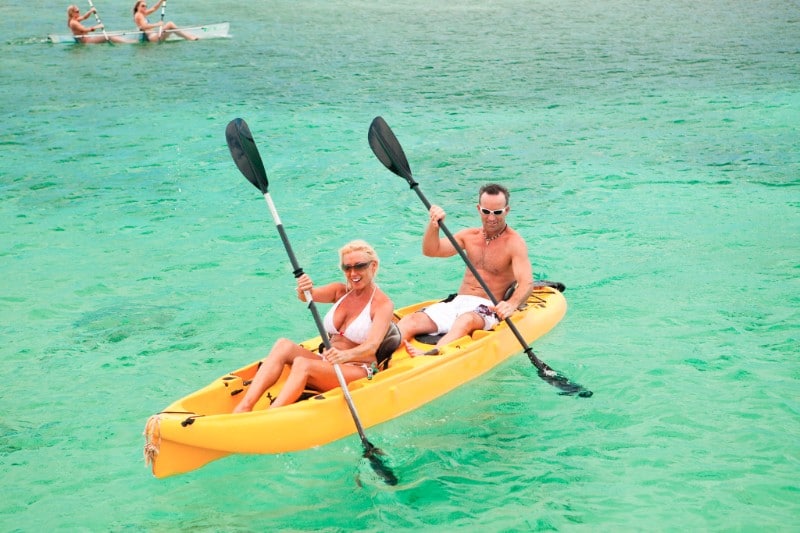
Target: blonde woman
81,32
150,32
359,325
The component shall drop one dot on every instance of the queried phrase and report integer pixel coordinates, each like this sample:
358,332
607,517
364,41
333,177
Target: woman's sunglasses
358,267
495,212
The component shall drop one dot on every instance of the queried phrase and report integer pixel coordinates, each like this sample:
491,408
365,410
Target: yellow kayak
200,428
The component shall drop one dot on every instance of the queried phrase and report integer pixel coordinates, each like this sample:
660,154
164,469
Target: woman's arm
325,294
142,24
154,8
79,29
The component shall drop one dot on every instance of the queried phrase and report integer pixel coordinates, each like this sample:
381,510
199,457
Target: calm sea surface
653,153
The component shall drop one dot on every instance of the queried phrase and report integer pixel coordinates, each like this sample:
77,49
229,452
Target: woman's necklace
493,237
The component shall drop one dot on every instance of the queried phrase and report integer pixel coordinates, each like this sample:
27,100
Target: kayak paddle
245,154
97,18
161,28
389,152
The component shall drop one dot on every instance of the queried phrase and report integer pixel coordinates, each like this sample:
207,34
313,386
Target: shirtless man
500,256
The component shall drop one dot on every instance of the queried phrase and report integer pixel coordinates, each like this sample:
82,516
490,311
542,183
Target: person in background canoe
359,326
149,31
81,32
500,256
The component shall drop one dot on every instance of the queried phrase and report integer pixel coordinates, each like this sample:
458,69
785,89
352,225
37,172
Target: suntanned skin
140,14
307,368
498,253
74,19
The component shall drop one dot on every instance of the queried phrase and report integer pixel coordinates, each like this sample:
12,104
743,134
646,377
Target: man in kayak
500,256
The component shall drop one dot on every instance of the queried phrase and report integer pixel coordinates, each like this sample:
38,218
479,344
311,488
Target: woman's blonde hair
69,10
360,246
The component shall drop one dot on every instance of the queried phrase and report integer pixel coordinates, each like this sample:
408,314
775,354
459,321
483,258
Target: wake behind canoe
208,31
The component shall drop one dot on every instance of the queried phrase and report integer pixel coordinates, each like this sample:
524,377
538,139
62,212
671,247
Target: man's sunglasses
358,267
495,212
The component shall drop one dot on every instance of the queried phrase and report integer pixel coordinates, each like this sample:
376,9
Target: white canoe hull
209,31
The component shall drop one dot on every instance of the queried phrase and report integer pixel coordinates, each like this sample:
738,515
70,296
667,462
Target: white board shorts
444,314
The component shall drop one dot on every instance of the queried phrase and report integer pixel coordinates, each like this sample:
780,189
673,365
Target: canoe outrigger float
200,427
209,31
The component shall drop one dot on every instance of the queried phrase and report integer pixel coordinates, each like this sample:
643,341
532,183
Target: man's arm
432,244
523,274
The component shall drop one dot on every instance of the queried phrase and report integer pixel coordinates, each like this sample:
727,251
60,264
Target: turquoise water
652,153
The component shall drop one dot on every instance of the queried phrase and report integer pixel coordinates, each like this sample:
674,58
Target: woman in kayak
358,324
151,32
81,32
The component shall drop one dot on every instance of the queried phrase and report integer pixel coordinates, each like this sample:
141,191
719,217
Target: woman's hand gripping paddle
245,155
389,152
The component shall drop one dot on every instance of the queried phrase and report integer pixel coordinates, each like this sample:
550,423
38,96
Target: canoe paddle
245,154
389,152
97,18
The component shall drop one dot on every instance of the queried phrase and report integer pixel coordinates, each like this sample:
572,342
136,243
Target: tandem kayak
200,428
209,31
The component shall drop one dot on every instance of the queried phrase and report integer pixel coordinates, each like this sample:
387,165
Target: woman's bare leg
172,26
315,373
283,353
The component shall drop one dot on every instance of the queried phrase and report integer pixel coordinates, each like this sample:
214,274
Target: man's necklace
493,237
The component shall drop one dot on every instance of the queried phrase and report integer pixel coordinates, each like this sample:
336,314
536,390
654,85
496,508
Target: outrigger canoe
209,31
200,427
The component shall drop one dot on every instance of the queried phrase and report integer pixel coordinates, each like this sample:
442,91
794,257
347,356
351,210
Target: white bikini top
357,330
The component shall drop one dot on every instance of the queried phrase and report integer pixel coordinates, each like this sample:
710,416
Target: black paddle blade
245,154
388,150
374,454
568,388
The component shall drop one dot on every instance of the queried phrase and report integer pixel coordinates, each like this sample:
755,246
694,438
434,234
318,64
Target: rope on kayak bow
152,439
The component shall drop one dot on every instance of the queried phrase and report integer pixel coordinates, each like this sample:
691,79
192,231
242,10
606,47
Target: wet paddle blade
568,388
374,454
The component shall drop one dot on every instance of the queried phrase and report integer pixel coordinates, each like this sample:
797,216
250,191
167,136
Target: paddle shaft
163,9
245,154
97,18
298,271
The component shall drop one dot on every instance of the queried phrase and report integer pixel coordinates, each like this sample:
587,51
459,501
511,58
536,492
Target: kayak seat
391,341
